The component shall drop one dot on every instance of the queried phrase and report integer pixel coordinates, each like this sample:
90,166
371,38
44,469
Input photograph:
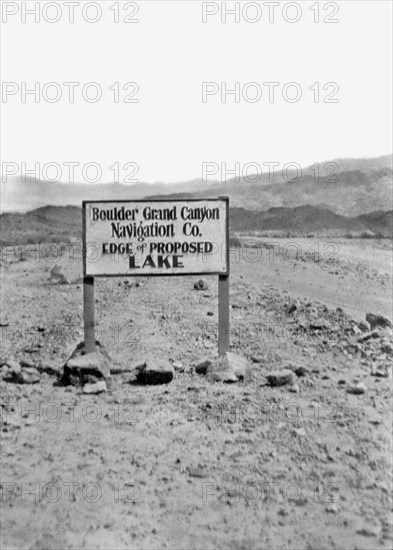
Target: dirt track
195,465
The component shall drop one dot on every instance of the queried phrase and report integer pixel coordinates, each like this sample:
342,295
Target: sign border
223,273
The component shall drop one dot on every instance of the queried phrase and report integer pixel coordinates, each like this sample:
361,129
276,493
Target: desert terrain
196,464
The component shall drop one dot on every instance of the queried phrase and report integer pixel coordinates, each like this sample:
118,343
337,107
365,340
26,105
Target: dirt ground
194,464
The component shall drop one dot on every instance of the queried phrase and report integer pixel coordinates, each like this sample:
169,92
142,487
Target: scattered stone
375,320
228,368
25,376
201,285
357,389
317,325
299,431
178,366
201,368
299,370
294,388
95,388
11,365
152,374
367,532
375,420
380,372
388,349
280,378
80,350
57,276
198,472
32,349
368,335
331,508
39,367
82,369
292,308
364,326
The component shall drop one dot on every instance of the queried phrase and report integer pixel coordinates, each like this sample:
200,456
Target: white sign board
155,237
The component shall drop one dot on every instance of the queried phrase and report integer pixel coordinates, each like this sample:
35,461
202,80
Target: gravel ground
195,464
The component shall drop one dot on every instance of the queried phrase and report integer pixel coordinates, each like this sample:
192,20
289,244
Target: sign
155,237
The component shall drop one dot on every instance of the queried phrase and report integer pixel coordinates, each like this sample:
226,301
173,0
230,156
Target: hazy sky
169,53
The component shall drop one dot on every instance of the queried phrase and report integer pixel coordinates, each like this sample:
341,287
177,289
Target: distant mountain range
362,186
303,220
358,203
64,223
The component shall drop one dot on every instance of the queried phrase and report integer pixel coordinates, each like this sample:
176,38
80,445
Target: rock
377,320
154,372
201,368
82,369
331,508
11,365
292,308
223,375
368,336
29,376
357,389
388,349
299,370
198,472
178,366
319,324
294,388
364,326
51,370
228,368
80,350
380,371
23,376
299,431
367,532
280,378
210,314
95,388
201,285
57,276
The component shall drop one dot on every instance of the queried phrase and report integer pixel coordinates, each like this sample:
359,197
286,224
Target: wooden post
223,314
88,314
